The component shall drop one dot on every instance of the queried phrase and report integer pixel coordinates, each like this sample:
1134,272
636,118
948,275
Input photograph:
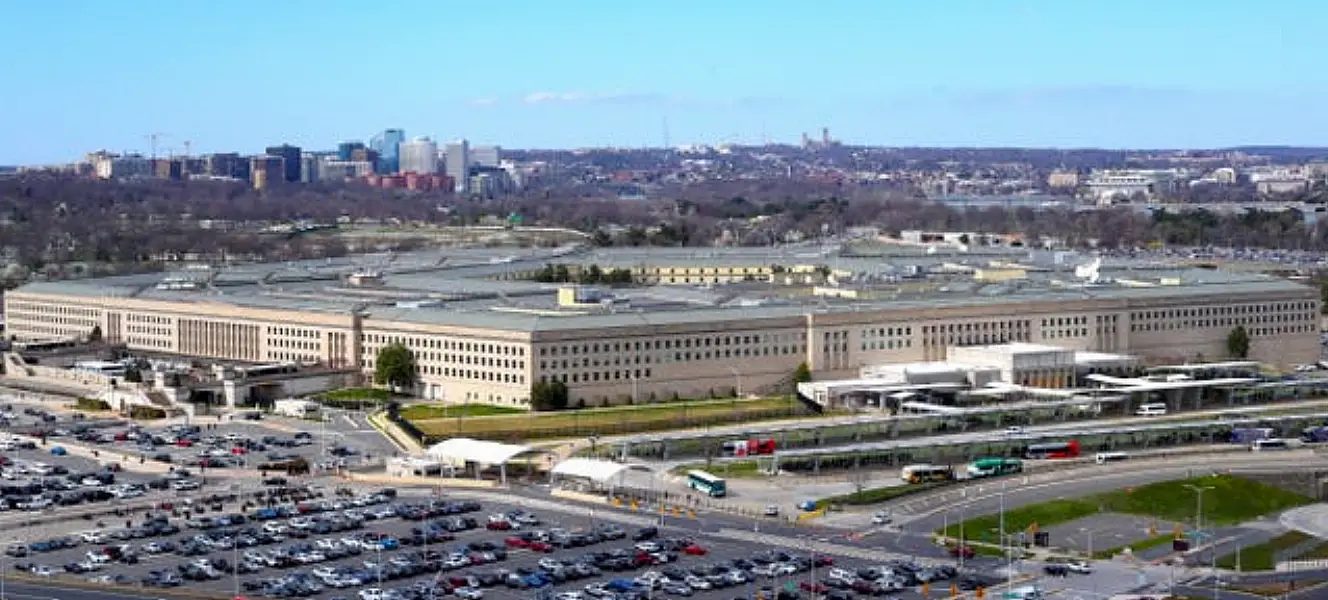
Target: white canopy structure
599,473
595,470
479,453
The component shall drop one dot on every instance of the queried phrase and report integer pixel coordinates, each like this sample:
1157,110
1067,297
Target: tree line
593,274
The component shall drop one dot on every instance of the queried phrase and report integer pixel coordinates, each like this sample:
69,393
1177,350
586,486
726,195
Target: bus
109,369
1106,457
992,467
45,345
1068,449
925,473
707,484
1273,444
1151,410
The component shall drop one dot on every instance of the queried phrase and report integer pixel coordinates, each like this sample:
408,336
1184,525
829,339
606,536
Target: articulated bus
707,484
1068,449
992,467
925,473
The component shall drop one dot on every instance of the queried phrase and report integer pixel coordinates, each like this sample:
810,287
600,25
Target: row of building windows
294,332
469,374
668,344
417,344
149,342
597,376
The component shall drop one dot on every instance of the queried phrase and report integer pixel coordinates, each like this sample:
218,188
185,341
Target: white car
881,518
93,537
43,571
1014,430
372,594
1080,567
468,593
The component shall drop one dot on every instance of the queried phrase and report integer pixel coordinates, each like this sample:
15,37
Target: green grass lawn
877,495
358,394
417,412
611,420
987,527
1227,501
1152,542
1263,557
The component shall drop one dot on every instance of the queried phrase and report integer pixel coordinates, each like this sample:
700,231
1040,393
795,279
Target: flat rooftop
480,287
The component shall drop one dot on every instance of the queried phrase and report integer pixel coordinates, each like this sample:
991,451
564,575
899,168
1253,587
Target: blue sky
242,74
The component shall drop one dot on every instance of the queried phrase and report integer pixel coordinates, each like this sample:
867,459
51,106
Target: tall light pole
235,565
737,390
1198,509
1009,559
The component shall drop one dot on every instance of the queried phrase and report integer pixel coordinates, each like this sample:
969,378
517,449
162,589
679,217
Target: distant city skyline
1034,73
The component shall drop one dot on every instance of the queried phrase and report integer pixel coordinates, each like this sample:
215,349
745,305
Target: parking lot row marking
822,547
605,513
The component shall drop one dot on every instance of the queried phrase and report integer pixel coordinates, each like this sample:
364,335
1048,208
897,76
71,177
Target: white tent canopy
466,450
601,471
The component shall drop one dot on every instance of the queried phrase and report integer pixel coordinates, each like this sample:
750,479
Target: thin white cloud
633,98
482,102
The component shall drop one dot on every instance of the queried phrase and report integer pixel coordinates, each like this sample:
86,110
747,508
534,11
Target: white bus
1106,457
1151,410
1271,444
925,473
707,484
109,369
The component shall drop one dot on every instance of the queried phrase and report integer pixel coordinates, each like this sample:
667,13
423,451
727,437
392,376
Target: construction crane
152,141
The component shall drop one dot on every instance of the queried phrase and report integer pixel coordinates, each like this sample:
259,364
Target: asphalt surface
16,590
574,518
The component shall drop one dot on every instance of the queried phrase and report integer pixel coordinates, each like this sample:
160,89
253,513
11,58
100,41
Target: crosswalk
780,541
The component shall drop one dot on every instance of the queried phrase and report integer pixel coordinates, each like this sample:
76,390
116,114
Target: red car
498,526
516,542
964,551
695,550
813,587
821,560
538,546
184,443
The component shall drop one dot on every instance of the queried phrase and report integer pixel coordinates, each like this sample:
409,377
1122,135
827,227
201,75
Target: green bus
991,467
707,484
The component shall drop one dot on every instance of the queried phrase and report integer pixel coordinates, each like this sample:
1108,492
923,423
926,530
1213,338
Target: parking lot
244,440
329,543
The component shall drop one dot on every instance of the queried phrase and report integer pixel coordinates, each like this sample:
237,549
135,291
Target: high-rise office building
346,149
290,156
458,164
228,164
388,146
264,171
486,156
419,155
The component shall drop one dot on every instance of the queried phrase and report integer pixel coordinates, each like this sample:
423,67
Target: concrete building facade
494,353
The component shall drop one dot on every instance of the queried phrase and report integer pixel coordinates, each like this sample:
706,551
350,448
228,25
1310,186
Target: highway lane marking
985,495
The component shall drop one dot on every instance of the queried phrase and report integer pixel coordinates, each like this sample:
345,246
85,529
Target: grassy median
603,421
1227,500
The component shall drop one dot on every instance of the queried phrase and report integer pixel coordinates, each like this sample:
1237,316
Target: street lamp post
1198,528
1198,509
963,510
1009,564
737,390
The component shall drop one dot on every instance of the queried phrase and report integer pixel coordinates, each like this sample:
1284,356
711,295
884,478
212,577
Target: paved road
1312,519
54,591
